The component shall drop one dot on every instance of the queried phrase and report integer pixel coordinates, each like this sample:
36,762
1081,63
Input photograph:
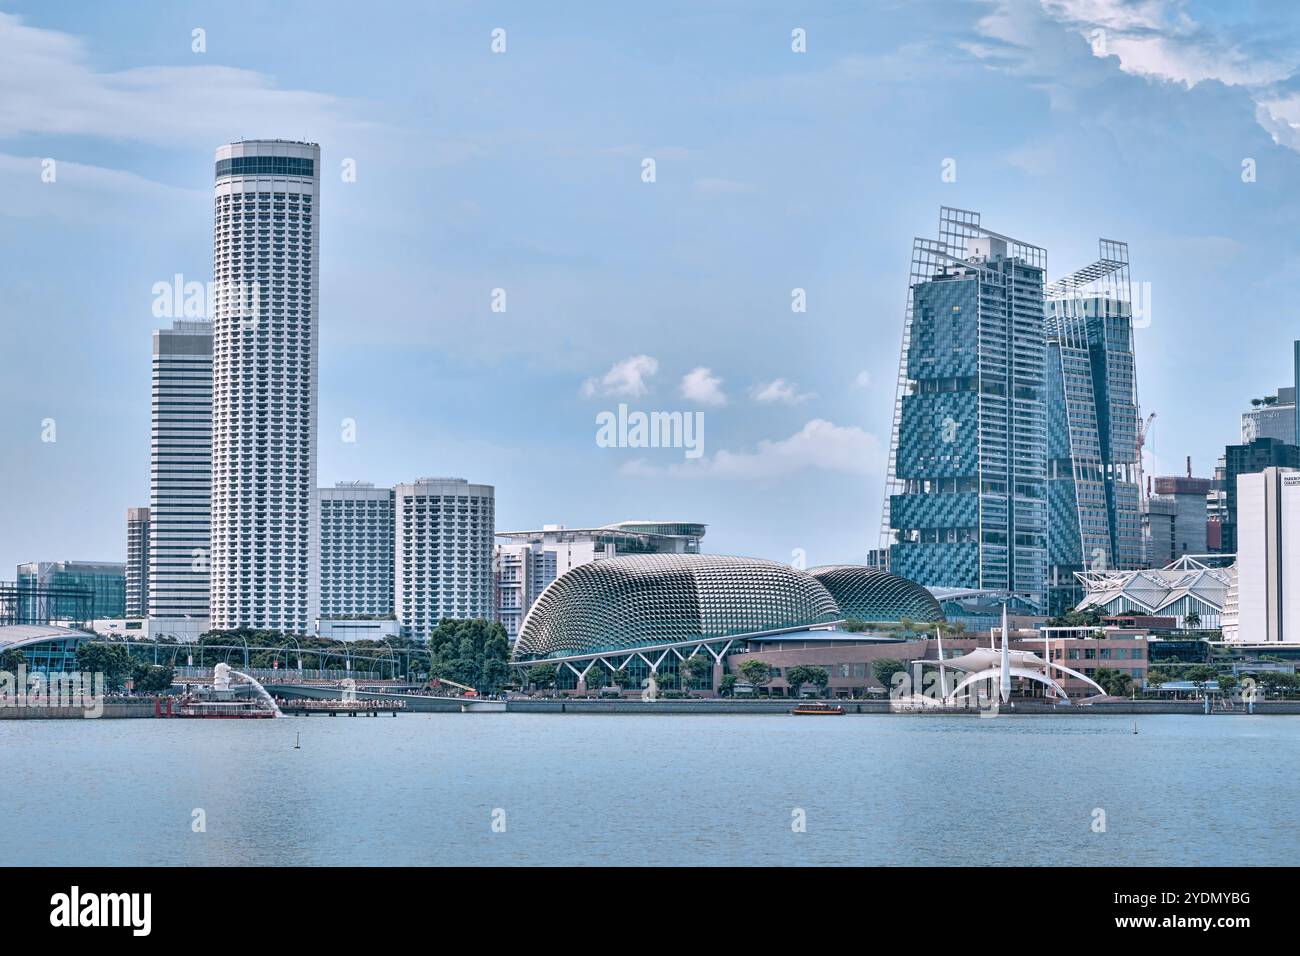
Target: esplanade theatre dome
620,603
617,604
876,596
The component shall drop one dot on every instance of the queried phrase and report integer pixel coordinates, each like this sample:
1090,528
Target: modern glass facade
1094,468
873,595
638,601
1249,459
966,498
106,582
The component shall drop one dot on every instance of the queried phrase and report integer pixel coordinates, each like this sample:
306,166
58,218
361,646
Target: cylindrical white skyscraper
265,331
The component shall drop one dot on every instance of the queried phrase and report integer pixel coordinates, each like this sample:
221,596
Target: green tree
474,652
1227,683
1089,617
697,668
819,677
757,672
796,677
151,678
727,685
1192,619
542,675
11,660
884,670
111,660
597,678
1200,675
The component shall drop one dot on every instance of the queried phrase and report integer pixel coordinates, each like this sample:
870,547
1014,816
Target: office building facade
1178,519
180,478
1272,416
1094,466
137,562
265,343
443,552
1268,557
103,581
520,572
356,551
966,495
1248,459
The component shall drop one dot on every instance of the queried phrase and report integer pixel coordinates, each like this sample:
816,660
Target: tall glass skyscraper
180,478
1094,466
966,497
265,345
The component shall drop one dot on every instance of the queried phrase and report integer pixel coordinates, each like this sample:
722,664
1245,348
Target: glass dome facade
620,603
876,596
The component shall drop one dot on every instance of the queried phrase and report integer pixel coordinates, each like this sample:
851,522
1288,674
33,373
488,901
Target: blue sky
522,170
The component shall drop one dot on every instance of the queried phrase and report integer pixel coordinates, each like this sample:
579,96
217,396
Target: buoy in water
1135,726
297,740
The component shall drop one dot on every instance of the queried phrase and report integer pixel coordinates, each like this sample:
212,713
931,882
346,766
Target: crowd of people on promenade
362,705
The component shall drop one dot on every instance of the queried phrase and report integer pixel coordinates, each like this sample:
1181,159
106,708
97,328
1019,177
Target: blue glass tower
1094,460
966,500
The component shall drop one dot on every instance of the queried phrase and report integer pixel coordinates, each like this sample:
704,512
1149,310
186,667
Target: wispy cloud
1155,39
625,378
700,385
820,445
51,88
779,391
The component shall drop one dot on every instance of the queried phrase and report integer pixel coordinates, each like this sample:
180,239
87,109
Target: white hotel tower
264,382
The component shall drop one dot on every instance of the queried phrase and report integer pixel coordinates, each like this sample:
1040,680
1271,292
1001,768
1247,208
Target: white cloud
702,386
627,377
819,445
1154,39
862,379
84,193
779,390
52,88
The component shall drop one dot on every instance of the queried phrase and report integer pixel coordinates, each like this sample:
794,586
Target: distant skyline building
533,559
1268,557
356,550
137,562
1178,519
1094,466
266,255
520,572
180,479
104,581
1247,459
966,493
1273,417
443,556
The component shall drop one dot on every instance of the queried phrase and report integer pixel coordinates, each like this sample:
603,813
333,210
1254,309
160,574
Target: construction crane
1144,430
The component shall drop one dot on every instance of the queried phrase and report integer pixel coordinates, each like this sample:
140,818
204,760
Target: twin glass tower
1014,458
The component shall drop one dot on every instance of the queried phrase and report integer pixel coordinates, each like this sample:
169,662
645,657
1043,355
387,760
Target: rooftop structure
1194,584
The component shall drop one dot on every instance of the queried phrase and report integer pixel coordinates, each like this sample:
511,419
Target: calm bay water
618,789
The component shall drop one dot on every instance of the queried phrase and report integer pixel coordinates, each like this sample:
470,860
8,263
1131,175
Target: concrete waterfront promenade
416,703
